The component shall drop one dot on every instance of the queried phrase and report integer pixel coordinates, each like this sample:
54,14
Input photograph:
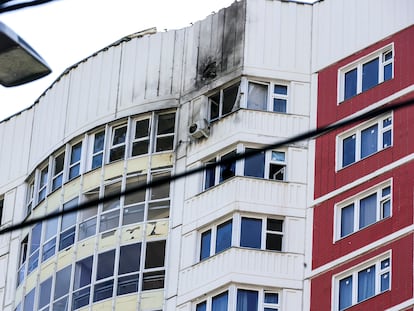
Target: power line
164,180
6,6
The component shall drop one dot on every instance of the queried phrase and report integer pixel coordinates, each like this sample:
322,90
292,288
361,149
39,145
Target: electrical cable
161,181
12,7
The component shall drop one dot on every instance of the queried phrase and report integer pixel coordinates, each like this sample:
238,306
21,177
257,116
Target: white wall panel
278,36
244,266
15,143
246,194
343,27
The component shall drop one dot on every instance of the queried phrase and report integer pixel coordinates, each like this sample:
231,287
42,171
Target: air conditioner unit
199,129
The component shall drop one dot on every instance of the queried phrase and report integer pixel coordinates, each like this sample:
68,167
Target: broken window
224,101
277,166
257,96
23,256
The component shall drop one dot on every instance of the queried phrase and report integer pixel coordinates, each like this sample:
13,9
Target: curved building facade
237,236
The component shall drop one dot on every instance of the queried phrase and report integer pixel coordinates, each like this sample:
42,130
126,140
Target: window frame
220,92
358,66
356,132
232,296
356,199
111,146
240,165
353,273
271,95
264,232
213,238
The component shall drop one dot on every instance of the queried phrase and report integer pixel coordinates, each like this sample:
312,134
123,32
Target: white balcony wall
247,125
278,39
244,194
342,27
238,265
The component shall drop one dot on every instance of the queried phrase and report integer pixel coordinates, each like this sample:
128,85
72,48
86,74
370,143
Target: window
365,140
222,237
267,96
141,138
364,209
35,239
82,281
363,282
22,262
269,165
74,161
1,210
260,233
30,195
366,73
42,184
29,301
224,101
49,244
105,272
62,288
67,231
241,299
58,166
254,234
109,218
117,148
45,293
98,149
87,217
164,139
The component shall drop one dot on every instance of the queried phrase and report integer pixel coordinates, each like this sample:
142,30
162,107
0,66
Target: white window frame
39,188
356,199
61,173
354,273
271,95
213,237
70,165
153,131
232,291
240,164
111,144
356,131
150,118
264,231
380,53
91,143
220,92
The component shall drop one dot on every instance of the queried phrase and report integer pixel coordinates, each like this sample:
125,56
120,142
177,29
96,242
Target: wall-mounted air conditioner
199,129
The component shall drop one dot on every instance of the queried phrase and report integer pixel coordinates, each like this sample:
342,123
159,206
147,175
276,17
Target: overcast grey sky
65,31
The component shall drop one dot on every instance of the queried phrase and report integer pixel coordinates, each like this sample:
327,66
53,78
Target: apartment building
323,224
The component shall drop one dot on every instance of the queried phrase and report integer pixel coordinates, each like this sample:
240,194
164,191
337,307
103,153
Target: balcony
245,194
248,125
240,265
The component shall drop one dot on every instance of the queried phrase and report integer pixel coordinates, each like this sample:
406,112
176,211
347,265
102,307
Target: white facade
250,71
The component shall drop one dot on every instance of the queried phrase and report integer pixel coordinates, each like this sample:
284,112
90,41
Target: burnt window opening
224,101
